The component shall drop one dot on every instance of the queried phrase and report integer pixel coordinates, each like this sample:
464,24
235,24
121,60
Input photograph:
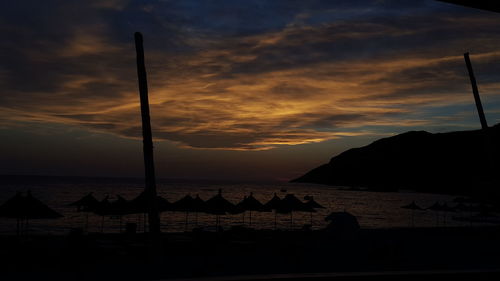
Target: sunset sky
239,90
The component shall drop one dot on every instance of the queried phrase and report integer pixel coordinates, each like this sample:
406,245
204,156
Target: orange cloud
252,92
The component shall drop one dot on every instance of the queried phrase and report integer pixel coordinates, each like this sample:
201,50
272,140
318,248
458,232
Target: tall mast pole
475,92
150,189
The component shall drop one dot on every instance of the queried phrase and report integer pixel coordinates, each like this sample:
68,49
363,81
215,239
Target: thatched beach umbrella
119,208
312,204
273,204
198,206
35,209
25,208
141,205
250,204
217,206
163,204
436,207
102,209
291,204
87,204
185,204
413,206
13,208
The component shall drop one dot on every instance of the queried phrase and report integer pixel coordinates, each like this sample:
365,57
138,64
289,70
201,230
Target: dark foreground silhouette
463,162
249,252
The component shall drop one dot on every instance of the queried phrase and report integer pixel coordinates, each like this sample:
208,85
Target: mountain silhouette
462,162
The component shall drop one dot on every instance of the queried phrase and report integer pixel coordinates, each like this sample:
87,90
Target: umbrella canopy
13,208
38,210
103,208
250,204
140,203
274,203
163,204
198,204
118,207
313,204
341,216
240,207
27,207
185,204
218,205
292,204
86,204
412,206
436,207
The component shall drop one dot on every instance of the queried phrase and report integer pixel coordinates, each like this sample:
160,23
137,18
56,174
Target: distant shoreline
6,178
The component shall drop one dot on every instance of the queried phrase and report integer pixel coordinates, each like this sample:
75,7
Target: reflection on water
373,209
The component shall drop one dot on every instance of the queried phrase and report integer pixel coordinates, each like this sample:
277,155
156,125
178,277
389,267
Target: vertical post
488,149
475,91
153,216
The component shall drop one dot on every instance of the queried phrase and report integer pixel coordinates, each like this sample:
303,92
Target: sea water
372,209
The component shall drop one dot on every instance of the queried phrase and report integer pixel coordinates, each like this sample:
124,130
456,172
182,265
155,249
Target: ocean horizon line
31,178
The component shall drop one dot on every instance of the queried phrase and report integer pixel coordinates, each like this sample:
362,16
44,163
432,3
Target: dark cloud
245,75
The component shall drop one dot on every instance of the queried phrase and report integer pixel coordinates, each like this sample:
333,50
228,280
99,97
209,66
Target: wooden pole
475,92
153,215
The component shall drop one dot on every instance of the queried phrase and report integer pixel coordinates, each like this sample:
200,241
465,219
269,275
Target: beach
249,253
372,209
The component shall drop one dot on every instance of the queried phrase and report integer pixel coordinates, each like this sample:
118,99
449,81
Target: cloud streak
297,83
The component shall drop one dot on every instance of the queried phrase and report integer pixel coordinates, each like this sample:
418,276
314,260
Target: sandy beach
247,253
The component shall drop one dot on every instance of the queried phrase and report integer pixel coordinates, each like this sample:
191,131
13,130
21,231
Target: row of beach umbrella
462,205
217,205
